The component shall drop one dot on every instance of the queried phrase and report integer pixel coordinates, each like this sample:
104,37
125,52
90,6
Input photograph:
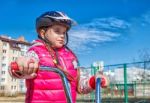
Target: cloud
109,23
146,17
141,21
83,37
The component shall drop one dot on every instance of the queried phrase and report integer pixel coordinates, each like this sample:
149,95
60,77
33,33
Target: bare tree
144,54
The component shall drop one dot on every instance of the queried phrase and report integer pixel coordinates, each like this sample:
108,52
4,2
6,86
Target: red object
92,82
15,70
14,66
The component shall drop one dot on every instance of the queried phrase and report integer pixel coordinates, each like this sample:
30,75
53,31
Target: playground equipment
98,90
127,90
64,80
66,86
14,66
98,82
130,83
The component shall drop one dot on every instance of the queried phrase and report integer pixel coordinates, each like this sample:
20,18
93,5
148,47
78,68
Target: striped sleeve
83,81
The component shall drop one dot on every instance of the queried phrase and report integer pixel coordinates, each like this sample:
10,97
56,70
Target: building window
21,86
12,79
4,51
3,80
3,58
3,65
2,87
22,46
13,51
22,53
4,44
12,87
13,58
3,72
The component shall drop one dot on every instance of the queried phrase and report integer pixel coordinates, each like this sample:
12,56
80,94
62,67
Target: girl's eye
57,31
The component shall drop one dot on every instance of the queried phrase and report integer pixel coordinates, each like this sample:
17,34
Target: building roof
7,39
13,42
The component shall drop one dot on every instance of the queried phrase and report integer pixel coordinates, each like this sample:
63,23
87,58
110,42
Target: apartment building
10,49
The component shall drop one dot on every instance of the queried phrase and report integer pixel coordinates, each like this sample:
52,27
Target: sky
113,31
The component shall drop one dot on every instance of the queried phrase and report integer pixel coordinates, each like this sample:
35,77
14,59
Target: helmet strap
66,39
45,40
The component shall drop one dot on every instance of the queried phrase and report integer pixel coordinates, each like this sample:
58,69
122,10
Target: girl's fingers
27,65
19,61
36,66
21,69
31,68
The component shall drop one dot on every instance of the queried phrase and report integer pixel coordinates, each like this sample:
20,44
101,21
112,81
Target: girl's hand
104,79
27,65
24,67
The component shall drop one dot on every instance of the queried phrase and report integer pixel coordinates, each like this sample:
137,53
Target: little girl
51,50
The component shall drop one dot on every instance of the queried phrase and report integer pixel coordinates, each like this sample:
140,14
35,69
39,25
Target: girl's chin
58,46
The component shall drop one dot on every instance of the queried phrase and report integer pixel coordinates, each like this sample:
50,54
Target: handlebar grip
15,70
14,66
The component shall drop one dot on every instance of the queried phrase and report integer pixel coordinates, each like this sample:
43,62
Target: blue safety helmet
50,17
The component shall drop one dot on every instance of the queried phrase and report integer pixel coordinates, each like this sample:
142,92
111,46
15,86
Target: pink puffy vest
47,87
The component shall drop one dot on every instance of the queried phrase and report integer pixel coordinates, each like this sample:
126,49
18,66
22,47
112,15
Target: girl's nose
62,35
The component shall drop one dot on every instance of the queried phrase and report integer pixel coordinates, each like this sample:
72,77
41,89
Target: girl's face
56,35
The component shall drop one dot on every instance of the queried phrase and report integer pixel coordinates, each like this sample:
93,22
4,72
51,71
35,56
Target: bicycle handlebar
98,90
67,90
14,67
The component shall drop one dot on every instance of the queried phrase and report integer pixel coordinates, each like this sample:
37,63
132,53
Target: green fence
129,83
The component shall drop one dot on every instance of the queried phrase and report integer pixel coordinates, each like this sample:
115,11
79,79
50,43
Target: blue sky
114,31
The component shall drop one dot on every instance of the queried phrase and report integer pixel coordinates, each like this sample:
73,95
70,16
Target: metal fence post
125,84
